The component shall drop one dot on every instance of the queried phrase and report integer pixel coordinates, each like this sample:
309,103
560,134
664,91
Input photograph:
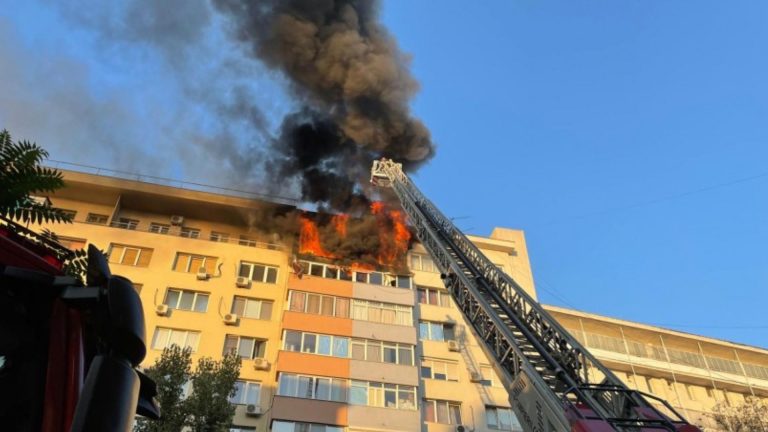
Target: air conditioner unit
177,220
261,364
243,282
453,346
252,410
230,319
202,274
161,309
475,377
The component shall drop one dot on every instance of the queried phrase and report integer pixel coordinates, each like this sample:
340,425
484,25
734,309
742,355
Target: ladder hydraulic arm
554,383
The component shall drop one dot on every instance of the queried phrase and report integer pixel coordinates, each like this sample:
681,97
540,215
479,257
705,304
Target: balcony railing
656,352
133,226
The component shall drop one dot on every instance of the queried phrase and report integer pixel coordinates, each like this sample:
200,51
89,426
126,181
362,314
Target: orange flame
393,234
340,224
309,239
377,207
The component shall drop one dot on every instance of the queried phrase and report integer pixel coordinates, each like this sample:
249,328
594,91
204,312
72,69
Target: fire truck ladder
554,383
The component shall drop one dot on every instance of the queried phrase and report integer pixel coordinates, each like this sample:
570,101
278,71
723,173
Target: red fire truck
68,350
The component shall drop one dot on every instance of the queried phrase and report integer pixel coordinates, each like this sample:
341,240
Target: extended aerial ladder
554,383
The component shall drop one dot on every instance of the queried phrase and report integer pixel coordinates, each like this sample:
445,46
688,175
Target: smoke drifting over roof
352,82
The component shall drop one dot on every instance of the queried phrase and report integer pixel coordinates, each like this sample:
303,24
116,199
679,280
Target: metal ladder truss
571,388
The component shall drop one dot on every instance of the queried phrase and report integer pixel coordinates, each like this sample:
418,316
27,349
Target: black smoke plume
354,89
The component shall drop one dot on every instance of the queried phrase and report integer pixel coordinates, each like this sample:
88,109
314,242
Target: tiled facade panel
384,332
383,372
310,411
320,285
384,294
384,419
310,364
317,323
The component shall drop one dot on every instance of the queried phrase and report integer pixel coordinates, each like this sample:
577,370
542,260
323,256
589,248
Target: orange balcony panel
317,323
321,285
311,364
309,411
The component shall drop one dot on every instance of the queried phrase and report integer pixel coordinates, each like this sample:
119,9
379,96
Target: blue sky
627,139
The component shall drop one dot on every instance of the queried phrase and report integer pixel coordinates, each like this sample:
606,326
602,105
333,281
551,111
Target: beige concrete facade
453,380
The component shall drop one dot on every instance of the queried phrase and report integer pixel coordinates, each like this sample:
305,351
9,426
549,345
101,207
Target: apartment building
329,348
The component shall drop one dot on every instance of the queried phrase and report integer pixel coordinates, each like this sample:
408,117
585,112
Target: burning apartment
343,322
339,314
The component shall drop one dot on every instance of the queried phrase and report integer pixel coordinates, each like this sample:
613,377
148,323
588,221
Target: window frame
265,277
436,411
420,258
316,350
140,250
189,232
243,399
433,364
245,307
321,301
442,296
181,292
430,331
125,223
313,385
189,257
96,219
257,343
169,337
365,310
498,426
219,237
159,228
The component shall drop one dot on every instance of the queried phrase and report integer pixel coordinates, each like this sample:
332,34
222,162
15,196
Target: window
289,426
219,237
439,370
165,337
246,241
129,255
159,228
327,271
373,278
245,347
432,296
318,304
186,300
97,219
258,272
423,263
487,373
311,387
190,232
382,395
402,281
246,393
435,331
445,412
72,243
378,351
189,263
310,343
385,313
70,214
125,223
500,418
252,308
235,428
